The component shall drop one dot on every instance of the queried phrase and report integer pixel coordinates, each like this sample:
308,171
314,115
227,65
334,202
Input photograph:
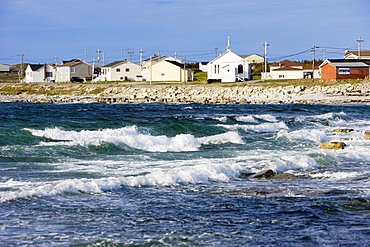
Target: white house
228,67
120,71
74,68
40,73
290,70
4,67
203,66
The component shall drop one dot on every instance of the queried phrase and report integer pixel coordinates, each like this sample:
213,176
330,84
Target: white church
228,67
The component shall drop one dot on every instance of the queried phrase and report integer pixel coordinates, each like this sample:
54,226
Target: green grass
200,76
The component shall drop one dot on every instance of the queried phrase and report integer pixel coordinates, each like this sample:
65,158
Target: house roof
69,64
181,65
347,63
158,58
245,56
35,67
117,63
178,64
362,53
286,63
287,68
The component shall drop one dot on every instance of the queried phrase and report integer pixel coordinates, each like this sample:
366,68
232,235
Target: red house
341,69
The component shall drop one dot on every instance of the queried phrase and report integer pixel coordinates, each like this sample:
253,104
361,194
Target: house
169,71
228,67
4,67
253,58
40,73
341,69
74,68
120,71
291,70
203,66
355,55
155,59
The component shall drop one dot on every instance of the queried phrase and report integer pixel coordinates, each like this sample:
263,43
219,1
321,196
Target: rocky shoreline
180,93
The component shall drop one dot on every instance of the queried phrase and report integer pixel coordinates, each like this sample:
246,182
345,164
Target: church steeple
228,47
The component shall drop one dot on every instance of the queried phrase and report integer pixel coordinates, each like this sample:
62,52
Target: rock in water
264,174
332,145
367,136
343,130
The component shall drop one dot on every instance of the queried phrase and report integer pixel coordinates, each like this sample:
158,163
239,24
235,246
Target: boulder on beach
332,145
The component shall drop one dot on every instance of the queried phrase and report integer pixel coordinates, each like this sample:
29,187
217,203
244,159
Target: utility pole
175,55
98,51
323,54
21,55
313,62
85,55
266,45
159,53
130,52
151,70
216,51
185,72
141,51
359,40
56,60
92,72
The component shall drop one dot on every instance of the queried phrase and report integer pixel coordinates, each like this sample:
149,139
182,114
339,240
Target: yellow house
169,71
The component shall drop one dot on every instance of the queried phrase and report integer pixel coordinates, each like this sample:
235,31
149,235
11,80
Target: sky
45,31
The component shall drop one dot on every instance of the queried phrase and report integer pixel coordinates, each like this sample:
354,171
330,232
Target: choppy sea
177,175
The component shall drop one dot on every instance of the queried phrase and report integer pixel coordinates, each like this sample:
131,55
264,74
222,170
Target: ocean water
178,175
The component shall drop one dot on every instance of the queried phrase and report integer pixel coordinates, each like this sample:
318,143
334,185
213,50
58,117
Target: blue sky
43,29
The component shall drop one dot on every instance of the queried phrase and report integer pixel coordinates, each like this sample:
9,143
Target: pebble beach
189,93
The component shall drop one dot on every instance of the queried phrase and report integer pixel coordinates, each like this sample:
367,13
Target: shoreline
189,93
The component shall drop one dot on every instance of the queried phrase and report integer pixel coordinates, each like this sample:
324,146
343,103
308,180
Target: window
67,70
118,70
127,69
281,76
49,74
240,69
217,69
344,71
73,70
162,74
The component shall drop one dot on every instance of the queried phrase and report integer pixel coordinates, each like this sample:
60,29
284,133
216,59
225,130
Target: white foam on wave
313,135
254,118
262,128
222,119
205,171
267,117
325,116
246,119
133,138
354,151
280,161
228,137
336,175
